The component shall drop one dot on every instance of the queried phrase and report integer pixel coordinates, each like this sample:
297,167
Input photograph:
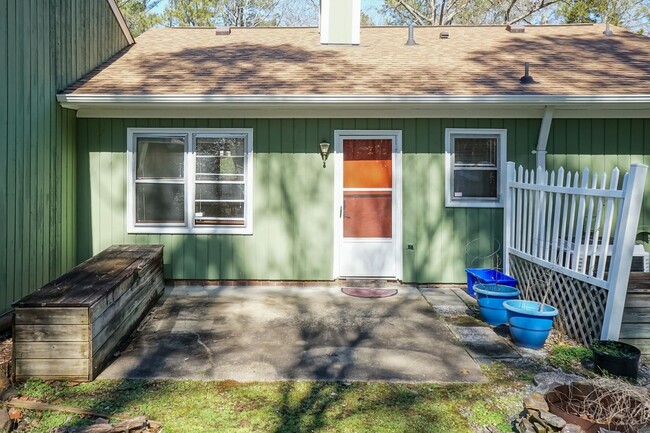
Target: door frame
396,136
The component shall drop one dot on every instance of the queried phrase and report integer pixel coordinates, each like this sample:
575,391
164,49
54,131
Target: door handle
342,211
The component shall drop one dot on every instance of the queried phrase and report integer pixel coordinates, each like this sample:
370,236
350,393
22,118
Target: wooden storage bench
70,328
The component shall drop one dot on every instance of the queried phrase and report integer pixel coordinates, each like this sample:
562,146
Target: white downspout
542,141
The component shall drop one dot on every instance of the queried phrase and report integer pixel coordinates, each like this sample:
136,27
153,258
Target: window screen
473,169
160,180
220,181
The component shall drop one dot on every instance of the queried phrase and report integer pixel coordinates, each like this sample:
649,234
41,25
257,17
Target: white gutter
75,101
542,141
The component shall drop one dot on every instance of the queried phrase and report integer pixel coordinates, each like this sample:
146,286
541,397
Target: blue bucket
490,299
487,276
529,327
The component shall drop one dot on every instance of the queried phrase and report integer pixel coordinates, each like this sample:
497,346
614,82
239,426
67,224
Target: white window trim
501,165
188,227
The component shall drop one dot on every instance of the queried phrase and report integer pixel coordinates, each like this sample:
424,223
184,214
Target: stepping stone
483,343
444,301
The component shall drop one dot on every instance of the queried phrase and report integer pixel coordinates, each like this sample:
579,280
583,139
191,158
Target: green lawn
189,406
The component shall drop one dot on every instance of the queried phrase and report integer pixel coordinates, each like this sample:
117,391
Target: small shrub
568,358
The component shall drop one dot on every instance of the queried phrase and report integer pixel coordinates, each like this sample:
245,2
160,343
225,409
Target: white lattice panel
580,304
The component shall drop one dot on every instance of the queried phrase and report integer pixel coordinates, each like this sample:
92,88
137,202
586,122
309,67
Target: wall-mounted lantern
324,149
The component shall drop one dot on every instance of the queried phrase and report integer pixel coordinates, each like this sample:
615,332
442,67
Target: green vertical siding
292,203
601,145
294,199
45,45
294,195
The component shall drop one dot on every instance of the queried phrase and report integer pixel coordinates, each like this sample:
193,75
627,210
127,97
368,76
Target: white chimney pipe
340,22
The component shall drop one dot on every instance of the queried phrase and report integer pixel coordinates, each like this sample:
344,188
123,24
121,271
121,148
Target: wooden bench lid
93,279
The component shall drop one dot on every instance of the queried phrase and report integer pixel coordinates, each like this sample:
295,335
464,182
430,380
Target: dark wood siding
45,45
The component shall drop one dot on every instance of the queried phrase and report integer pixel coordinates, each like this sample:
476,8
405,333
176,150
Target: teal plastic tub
529,325
490,298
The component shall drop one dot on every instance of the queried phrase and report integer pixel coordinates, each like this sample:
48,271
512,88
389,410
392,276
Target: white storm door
367,199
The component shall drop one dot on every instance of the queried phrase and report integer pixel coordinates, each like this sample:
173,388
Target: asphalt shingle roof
487,60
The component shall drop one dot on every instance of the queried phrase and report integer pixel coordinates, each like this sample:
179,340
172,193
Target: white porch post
508,212
622,251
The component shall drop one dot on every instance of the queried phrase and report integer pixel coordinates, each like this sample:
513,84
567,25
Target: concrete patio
293,333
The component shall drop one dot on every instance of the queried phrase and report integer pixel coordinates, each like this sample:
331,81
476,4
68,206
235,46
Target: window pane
219,168
218,191
367,163
476,151
475,184
368,214
220,158
160,157
223,146
219,213
160,203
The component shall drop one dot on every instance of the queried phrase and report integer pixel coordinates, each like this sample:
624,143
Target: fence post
621,262
508,210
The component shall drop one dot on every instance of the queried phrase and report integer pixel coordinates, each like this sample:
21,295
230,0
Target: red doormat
361,292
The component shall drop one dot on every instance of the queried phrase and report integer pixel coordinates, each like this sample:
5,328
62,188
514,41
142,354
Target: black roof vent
516,28
527,78
444,35
222,31
411,40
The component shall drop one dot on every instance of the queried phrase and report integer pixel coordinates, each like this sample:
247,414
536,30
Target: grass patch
289,407
568,358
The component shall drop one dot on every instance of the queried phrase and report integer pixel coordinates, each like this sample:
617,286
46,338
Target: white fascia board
121,21
416,106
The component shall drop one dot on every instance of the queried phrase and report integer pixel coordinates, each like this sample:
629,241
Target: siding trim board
221,111
121,21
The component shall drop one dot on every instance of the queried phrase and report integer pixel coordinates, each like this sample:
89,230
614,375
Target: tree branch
506,16
420,17
542,5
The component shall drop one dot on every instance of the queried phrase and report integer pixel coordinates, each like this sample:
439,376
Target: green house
213,142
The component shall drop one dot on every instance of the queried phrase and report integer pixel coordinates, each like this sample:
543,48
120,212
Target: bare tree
446,12
299,13
250,13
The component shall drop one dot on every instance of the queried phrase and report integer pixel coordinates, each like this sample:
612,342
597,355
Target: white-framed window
474,164
190,180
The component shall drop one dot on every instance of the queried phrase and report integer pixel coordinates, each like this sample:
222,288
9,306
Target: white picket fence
573,225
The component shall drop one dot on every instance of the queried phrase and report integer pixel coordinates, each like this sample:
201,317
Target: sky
368,6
